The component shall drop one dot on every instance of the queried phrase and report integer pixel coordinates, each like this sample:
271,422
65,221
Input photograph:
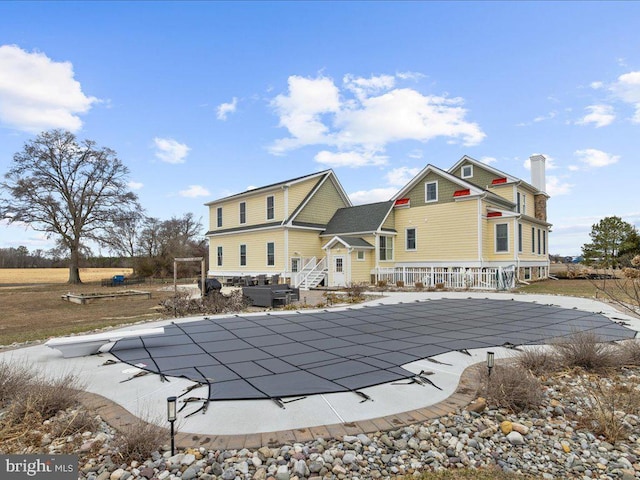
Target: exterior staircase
312,274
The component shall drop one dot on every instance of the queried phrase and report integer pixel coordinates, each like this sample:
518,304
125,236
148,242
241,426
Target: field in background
14,276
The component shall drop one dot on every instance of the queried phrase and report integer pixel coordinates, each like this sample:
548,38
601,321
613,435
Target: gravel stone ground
550,442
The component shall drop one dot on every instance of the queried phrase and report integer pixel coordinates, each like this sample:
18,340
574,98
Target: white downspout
480,232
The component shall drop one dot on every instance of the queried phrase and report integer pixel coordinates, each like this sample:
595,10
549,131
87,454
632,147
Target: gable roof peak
272,186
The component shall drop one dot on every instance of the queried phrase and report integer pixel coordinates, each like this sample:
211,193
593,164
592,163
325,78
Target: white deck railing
449,277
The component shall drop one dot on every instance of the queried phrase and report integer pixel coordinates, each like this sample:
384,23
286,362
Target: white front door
338,276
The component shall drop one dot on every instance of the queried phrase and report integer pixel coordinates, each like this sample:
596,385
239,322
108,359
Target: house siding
306,242
256,243
444,231
481,177
505,191
390,222
322,206
361,269
298,192
446,189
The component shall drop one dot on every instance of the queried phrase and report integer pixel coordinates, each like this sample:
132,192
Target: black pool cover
275,356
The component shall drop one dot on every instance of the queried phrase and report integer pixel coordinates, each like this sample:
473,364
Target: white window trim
527,273
246,254
520,238
364,255
406,239
387,238
495,230
219,255
425,191
267,207
462,171
267,254
240,213
219,217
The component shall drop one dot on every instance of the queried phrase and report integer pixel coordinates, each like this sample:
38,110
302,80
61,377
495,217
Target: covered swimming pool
289,354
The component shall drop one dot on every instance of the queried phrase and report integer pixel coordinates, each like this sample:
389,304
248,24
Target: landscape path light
172,404
490,362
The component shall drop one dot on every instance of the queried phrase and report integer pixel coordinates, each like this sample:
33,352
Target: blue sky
204,99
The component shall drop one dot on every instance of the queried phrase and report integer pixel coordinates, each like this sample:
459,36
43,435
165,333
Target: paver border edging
466,391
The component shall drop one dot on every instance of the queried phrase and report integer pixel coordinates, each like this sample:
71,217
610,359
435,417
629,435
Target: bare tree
69,189
123,235
159,242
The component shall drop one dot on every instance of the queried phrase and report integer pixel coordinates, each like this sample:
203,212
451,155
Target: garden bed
83,298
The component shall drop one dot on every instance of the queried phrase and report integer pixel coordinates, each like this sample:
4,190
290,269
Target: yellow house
471,226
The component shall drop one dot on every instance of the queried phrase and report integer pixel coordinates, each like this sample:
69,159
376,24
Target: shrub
511,388
399,284
630,352
355,292
14,380
585,350
538,361
138,440
182,305
419,285
46,397
382,284
608,406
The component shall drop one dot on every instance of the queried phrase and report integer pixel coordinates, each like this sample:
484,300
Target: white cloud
416,153
300,111
224,109
349,159
548,116
372,196
627,89
170,151
556,187
135,185
195,191
367,115
405,114
365,87
596,158
599,115
410,76
488,160
596,85
37,93
401,176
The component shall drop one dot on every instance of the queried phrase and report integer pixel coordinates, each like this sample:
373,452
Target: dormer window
467,171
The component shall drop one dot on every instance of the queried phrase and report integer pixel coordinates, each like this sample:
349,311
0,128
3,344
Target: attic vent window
467,171
497,181
462,193
403,202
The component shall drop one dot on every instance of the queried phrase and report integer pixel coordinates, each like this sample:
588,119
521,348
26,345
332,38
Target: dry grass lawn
37,311
13,276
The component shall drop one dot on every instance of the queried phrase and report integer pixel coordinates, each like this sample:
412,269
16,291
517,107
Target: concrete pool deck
119,391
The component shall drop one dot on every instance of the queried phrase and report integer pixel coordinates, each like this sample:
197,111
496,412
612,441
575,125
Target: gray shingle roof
355,242
358,219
